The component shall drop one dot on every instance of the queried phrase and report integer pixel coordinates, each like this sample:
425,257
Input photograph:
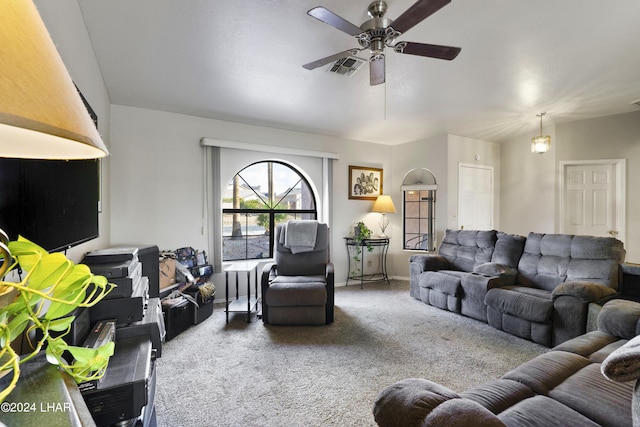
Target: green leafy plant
360,235
52,287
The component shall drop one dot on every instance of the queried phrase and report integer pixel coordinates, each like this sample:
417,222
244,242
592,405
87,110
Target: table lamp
383,205
41,113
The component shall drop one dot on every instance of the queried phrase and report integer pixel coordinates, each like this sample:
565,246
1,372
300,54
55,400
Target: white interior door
592,201
475,197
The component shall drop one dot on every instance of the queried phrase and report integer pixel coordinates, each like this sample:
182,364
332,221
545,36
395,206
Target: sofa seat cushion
534,305
445,281
587,344
541,411
296,292
547,371
591,394
498,395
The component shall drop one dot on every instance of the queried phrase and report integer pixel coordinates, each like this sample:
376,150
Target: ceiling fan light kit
379,32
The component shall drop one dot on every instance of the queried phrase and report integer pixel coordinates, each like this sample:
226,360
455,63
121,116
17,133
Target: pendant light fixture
540,144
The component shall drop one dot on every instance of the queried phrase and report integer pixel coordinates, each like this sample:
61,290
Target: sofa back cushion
311,263
508,250
550,259
464,249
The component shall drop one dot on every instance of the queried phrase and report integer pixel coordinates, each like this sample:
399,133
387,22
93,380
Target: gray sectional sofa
538,288
585,381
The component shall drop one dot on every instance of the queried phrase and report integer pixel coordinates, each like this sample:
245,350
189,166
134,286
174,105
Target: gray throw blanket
623,364
299,235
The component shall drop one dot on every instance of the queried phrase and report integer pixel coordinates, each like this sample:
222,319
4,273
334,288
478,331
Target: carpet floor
251,374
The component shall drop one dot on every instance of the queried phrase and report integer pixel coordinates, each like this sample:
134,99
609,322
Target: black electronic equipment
113,270
125,285
103,332
111,256
151,327
124,310
127,385
149,256
53,203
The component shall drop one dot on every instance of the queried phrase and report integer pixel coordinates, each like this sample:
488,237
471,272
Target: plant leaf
18,325
51,269
59,325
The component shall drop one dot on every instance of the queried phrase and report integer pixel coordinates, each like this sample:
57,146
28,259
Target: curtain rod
275,149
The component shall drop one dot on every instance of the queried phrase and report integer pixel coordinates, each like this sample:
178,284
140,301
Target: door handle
614,233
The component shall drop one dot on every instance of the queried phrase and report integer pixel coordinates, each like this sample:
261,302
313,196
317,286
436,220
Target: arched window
255,200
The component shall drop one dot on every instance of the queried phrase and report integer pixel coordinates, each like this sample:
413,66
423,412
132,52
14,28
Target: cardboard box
167,273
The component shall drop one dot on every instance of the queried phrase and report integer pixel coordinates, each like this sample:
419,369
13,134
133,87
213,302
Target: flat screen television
53,203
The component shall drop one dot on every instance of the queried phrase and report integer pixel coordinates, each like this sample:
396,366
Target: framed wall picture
365,183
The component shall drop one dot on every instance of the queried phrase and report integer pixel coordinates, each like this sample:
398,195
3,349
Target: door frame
620,171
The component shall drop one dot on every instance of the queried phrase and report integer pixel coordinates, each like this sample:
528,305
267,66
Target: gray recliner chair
298,287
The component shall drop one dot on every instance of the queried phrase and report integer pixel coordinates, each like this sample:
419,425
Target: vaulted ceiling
241,60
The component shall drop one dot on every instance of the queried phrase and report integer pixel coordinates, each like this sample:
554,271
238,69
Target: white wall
428,154
530,181
64,21
157,185
528,186
441,155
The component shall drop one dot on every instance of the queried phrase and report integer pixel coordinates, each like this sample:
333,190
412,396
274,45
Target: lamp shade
384,204
41,113
540,144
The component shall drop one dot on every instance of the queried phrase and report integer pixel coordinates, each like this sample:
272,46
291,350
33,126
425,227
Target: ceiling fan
380,32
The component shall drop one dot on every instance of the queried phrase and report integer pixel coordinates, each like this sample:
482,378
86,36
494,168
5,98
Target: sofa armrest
584,291
421,263
571,306
620,318
268,272
428,262
420,402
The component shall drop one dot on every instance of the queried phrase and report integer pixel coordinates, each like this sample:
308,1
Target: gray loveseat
538,287
563,387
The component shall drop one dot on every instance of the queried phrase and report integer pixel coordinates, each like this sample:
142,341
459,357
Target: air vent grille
346,66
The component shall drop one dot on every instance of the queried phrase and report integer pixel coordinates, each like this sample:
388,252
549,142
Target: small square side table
242,304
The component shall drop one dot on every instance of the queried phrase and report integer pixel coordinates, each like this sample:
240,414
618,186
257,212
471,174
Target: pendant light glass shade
542,143
41,113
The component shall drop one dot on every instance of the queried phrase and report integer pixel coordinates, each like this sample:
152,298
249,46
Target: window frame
271,212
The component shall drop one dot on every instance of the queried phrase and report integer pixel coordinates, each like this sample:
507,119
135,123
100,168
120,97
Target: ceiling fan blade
417,13
329,59
430,50
328,17
376,70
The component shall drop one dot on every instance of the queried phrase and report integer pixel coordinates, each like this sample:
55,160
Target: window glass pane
275,188
244,236
412,196
412,209
419,220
